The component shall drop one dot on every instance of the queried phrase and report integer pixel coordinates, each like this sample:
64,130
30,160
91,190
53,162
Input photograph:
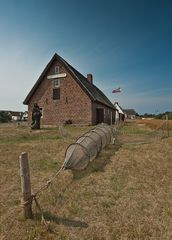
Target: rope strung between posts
45,186
30,200
34,197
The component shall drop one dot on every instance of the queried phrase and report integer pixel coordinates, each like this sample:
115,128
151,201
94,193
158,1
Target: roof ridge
73,70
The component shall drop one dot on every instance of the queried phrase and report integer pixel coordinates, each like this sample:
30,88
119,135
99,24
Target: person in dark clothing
36,115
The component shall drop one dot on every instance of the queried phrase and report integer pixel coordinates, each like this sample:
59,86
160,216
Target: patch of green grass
107,204
88,195
74,208
119,180
97,167
45,164
133,128
26,138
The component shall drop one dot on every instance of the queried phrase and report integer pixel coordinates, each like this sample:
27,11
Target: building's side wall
74,104
117,116
109,114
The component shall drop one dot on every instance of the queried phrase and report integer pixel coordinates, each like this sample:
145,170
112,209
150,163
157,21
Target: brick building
64,94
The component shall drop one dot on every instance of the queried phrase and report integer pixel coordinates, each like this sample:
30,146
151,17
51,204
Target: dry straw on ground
126,193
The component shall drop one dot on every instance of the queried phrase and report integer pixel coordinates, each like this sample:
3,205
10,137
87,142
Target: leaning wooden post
25,186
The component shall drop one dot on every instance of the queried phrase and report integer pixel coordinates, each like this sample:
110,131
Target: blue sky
124,43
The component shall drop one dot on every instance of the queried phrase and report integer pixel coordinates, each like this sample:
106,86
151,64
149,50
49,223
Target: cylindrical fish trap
88,143
96,137
108,132
76,157
87,147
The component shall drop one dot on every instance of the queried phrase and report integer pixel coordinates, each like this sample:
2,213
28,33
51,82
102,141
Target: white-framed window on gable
56,69
56,83
56,90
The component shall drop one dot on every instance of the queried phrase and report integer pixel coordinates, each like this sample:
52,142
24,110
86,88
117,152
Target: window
41,110
56,69
56,93
56,90
56,83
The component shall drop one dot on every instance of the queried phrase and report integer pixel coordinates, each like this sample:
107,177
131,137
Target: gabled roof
15,114
129,111
91,90
118,108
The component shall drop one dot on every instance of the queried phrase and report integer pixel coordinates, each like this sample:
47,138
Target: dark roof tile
129,111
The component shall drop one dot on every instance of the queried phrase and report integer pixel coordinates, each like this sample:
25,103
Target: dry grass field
126,193
153,123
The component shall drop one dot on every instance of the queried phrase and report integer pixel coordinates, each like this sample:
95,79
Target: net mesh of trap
87,147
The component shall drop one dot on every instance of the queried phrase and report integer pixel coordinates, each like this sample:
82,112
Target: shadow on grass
62,221
99,163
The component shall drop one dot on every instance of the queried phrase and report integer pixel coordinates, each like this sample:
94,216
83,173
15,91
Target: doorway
99,115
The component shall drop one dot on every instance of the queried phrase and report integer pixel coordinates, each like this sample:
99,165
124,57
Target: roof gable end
91,90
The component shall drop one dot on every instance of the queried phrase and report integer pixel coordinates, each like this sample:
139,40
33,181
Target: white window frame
56,69
56,83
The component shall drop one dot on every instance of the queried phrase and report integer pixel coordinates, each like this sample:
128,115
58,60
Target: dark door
99,115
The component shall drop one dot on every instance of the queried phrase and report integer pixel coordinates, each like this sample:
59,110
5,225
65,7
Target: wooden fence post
167,125
25,185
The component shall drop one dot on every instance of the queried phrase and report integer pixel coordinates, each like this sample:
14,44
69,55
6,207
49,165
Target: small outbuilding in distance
120,115
130,113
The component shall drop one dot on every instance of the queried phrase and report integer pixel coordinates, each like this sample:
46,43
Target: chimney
90,78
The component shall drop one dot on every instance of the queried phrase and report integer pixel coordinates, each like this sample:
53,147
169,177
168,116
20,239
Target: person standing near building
36,116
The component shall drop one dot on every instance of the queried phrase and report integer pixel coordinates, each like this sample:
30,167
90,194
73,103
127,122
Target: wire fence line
139,133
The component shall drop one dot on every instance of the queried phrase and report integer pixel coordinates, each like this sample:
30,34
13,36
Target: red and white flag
116,90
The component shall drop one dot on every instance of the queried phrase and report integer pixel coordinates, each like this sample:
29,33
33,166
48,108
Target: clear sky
123,43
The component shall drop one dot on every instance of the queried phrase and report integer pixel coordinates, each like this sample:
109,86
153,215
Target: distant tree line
158,116
4,117
163,115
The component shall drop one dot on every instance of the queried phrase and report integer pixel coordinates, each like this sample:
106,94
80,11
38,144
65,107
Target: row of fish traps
87,147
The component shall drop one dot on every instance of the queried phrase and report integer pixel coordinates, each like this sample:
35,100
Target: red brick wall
74,104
